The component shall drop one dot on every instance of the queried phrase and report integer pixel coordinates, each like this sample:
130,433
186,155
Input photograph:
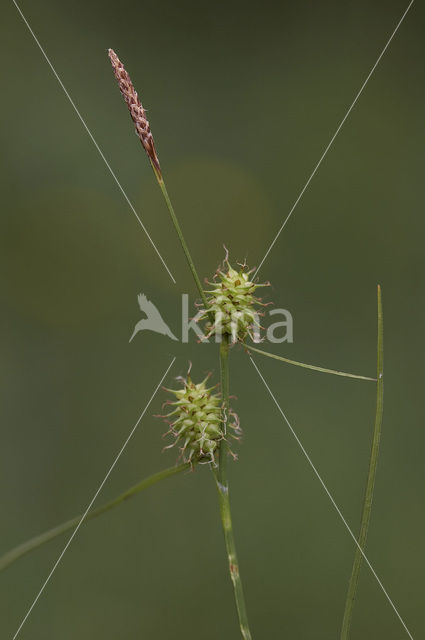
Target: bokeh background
242,99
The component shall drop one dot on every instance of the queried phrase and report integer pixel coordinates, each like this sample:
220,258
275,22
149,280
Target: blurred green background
242,99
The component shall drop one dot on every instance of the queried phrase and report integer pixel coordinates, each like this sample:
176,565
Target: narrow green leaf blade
26,547
370,485
309,366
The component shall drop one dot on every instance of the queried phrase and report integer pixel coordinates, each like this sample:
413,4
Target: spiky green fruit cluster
195,422
232,306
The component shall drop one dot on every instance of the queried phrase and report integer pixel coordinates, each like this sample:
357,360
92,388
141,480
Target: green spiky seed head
195,422
232,303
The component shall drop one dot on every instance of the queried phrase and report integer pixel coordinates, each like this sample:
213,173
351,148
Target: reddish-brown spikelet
138,114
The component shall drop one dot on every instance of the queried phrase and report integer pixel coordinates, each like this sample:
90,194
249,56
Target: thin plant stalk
24,548
176,224
308,366
368,498
221,471
222,483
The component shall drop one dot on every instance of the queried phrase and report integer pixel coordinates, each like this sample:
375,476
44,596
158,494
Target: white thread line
333,138
94,141
91,502
332,500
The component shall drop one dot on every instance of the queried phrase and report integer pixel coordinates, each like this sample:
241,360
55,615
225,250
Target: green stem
181,237
308,366
221,472
223,493
24,548
368,498
224,382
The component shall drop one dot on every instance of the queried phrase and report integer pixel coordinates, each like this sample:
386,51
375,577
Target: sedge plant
201,422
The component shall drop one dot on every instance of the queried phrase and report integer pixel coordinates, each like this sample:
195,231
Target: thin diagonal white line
332,500
333,138
83,517
94,141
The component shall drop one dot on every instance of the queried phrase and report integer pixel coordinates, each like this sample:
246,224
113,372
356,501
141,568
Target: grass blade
309,366
26,547
368,498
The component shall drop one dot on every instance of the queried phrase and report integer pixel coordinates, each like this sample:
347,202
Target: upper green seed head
232,303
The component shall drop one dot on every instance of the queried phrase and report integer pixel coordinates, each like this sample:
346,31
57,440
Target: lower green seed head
195,422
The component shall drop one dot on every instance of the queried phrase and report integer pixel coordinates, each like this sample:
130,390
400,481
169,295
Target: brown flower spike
138,114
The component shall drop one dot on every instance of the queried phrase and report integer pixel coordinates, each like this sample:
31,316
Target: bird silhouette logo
153,322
